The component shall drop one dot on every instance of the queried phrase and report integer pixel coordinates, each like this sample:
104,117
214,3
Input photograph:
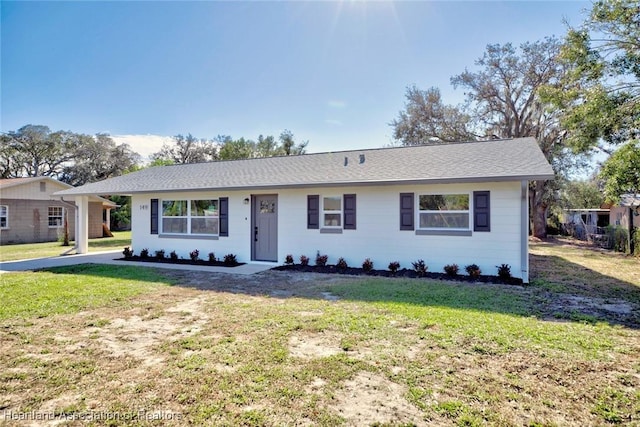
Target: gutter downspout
524,230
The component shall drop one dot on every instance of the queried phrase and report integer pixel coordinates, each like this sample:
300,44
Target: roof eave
431,181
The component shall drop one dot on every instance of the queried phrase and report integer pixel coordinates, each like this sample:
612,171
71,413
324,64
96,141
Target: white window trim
6,216
188,218
332,212
61,216
444,229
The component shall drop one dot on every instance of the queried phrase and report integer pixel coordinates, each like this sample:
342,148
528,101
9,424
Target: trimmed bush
420,267
394,266
321,260
367,265
127,252
473,270
342,264
504,271
451,269
288,260
160,254
144,254
304,260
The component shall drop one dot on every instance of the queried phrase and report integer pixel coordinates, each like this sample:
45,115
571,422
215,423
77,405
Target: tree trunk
538,209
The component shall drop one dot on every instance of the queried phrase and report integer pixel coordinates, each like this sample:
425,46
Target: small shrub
160,254
212,257
451,269
144,254
230,259
420,268
342,264
127,252
504,271
473,270
304,260
173,255
288,260
367,265
194,255
393,267
321,260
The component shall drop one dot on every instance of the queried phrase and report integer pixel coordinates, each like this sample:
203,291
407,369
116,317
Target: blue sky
333,73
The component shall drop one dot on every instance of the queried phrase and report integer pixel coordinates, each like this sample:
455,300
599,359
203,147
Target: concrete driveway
110,259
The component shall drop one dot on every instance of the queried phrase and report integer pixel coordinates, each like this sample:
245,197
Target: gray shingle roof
495,160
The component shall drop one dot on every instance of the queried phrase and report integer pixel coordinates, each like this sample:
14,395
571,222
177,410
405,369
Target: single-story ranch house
30,214
448,203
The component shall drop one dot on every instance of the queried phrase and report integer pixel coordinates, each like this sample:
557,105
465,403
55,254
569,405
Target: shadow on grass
566,290
582,295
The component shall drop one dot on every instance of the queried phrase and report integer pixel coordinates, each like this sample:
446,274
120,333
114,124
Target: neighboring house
457,203
30,214
628,208
583,223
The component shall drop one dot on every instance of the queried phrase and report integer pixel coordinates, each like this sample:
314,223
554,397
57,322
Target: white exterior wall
378,235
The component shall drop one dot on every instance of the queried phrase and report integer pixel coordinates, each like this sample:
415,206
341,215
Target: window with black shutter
224,216
349,211
406,211
481,211
313,212
154,216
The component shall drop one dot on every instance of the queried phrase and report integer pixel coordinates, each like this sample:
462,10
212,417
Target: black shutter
154,216
349,211
313,212
406,211
481,211
224,216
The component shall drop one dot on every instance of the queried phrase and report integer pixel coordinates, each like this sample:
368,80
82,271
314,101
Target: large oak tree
502,101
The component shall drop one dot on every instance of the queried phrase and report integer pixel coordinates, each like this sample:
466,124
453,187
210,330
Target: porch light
246,200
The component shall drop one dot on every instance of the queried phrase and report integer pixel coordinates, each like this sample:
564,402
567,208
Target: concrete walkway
110,259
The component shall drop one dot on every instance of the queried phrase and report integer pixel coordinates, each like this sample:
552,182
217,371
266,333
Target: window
332,211
4,216
204,217
444,211
190,217
56,214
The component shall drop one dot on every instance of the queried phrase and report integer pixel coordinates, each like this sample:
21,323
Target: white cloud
145,145
336,103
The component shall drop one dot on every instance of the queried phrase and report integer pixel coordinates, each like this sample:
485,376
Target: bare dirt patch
308,346
370,398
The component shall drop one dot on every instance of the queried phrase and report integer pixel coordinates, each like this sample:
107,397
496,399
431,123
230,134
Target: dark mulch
405,273
180,261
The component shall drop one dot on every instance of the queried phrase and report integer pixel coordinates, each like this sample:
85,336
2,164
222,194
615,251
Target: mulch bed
180,261
404,273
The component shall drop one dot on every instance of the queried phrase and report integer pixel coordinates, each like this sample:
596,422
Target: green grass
457,353
67,290
120,239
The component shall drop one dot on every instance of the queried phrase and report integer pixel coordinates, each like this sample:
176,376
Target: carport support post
82,228
524,230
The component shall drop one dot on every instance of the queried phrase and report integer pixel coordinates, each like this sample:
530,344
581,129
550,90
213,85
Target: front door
265,228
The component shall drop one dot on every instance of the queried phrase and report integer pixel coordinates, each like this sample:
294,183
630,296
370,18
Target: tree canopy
502,101
33,150
190,149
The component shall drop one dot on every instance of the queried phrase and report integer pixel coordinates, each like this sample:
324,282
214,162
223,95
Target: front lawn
119,240
282,348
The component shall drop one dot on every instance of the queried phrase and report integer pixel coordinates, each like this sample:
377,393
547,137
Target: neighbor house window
4,216
190,217
443,211
332,211
56,214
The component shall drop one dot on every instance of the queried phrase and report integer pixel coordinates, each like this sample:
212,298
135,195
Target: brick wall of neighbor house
28,222
95,220
377,235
